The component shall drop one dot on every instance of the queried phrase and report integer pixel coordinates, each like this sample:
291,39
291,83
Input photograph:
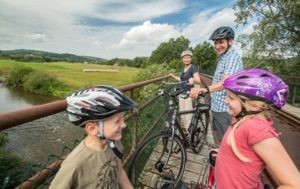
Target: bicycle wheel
199,129
158,162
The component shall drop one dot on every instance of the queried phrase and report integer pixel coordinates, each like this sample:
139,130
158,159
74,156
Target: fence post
294,95
134,131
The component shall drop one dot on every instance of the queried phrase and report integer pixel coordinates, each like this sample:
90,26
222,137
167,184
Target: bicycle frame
174,122
176,114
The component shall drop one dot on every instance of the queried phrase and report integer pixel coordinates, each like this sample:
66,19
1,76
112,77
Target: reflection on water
15,98
36,140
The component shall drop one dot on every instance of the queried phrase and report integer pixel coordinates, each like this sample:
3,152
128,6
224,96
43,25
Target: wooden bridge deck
196,165
195,169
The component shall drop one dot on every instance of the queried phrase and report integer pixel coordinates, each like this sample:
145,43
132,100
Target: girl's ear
230,42
91,128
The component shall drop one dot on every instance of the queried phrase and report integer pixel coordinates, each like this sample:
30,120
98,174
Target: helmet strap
228,46
111,143
114,148
101,129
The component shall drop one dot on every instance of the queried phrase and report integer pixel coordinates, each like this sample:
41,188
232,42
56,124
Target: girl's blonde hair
248,106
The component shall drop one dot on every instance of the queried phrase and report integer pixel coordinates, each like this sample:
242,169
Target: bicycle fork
161,166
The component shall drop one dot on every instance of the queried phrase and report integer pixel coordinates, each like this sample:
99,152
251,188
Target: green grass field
72,74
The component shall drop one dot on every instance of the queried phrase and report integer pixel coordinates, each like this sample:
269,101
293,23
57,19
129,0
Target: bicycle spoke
199,132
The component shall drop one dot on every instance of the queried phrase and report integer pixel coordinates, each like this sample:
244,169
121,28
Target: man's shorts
220,123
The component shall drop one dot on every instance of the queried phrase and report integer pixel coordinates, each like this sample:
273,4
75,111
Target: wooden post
294,95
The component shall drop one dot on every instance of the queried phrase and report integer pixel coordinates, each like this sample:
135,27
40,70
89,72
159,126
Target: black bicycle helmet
223,32
97,103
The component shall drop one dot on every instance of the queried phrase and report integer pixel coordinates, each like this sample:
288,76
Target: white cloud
143,39
56,24
64,26
206,22
38,37
148,33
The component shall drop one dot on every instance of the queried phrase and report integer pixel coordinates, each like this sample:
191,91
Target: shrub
3,139
17,75
41,83
150,72
11,166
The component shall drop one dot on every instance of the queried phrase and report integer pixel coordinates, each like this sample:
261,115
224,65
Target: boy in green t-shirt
95,162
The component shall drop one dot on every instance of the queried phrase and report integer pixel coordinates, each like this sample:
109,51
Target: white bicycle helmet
97,103
186,53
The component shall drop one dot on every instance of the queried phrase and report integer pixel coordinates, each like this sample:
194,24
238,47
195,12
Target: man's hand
195,92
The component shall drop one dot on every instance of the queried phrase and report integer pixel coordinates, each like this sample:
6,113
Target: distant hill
42,56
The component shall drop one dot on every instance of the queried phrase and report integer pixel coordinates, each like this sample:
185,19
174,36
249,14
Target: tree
139,62
170,50
205,57
277,33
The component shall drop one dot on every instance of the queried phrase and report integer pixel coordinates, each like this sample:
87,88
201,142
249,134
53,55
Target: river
37,140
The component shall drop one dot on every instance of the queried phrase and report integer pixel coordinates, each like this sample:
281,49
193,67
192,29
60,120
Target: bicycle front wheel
158,163
199,131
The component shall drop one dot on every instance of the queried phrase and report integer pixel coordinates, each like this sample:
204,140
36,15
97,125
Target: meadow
72,74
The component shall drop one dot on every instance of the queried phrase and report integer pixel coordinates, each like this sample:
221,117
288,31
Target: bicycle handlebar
212,157
181,92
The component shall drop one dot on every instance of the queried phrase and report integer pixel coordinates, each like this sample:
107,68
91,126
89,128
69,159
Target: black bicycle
159,161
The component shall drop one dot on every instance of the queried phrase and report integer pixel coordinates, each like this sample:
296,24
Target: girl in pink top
251,143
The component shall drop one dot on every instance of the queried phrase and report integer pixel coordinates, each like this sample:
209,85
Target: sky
110,28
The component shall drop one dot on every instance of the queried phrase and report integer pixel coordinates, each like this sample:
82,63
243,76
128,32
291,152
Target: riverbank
72,76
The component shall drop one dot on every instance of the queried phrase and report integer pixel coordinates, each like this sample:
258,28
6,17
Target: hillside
25,55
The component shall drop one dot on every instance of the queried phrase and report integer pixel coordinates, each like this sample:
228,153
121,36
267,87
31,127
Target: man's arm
212,88
217,86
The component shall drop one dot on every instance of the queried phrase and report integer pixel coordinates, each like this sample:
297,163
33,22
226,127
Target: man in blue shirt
229,62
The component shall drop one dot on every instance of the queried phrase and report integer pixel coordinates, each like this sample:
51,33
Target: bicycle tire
150,166
199,129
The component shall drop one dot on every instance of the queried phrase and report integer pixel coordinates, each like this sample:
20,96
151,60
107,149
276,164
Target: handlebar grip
212,158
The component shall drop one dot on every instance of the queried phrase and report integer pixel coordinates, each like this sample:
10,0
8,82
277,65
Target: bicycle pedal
159,166
176,149
168,176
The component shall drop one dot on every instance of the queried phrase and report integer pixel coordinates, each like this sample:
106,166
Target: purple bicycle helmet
258,84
